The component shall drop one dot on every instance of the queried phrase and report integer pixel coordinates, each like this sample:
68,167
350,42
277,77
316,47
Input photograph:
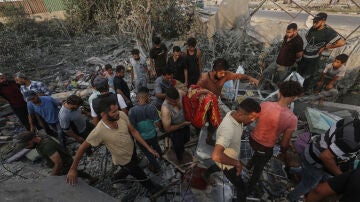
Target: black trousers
134,170
238,183
179,138
22,114
261,157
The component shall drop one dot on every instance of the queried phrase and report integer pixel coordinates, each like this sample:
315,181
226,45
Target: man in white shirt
228,140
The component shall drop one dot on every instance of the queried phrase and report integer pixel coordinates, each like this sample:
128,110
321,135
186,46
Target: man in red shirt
10,91
274,119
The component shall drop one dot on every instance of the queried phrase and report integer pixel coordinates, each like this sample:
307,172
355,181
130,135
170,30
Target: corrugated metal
54,5
30,6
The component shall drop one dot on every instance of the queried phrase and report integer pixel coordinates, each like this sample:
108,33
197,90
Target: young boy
332,73
145,118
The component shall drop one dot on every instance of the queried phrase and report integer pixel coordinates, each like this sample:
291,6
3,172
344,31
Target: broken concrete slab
53,188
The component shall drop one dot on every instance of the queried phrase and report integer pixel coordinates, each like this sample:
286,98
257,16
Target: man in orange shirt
275,119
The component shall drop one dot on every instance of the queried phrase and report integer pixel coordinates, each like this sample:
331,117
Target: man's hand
238,167
153,152
322,50
329,86
253,81
71,177
154,73
186,123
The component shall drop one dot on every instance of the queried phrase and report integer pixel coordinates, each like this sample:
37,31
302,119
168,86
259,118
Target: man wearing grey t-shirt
72,121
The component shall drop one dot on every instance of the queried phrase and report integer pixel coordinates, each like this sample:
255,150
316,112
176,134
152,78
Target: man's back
142,117
273,121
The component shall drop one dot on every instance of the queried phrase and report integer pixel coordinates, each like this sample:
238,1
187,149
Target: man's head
172,96
135,54
291,30
32,96
156,41
20,78
73,102
120,71
290,89
100,84
26,138
340,60
167,75
109,68
319,20
247,111
2,78
176,52
191,42
143,95
220,67
108,109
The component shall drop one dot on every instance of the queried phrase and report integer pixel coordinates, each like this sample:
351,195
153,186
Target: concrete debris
47,189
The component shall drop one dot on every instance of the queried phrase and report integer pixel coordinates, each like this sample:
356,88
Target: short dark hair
342,57
74,100
176,49
143,90
120,68
25,136
220,64
105,101
108,66
292,26
135,51
172,93
290,88
320,16
191,42
156,40
167,71
249,105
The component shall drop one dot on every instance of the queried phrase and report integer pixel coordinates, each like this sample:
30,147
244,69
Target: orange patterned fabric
200,105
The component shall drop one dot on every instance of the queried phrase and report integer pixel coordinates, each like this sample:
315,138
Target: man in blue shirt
47,108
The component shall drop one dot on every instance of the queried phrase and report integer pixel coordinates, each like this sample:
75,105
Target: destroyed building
225,30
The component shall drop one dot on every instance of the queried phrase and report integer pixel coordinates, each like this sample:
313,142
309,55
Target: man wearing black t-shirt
120,85
319,38
158,56
176,62
290,51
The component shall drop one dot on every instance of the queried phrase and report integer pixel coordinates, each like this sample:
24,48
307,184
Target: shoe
210,142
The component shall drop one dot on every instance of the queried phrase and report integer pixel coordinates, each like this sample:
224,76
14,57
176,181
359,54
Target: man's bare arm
71,177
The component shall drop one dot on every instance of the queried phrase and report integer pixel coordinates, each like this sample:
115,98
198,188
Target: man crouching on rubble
228,142
56,156
116,132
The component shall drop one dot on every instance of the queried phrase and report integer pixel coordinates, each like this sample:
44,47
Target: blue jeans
310,178
154,143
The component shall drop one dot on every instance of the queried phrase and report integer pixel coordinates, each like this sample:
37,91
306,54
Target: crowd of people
122,124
